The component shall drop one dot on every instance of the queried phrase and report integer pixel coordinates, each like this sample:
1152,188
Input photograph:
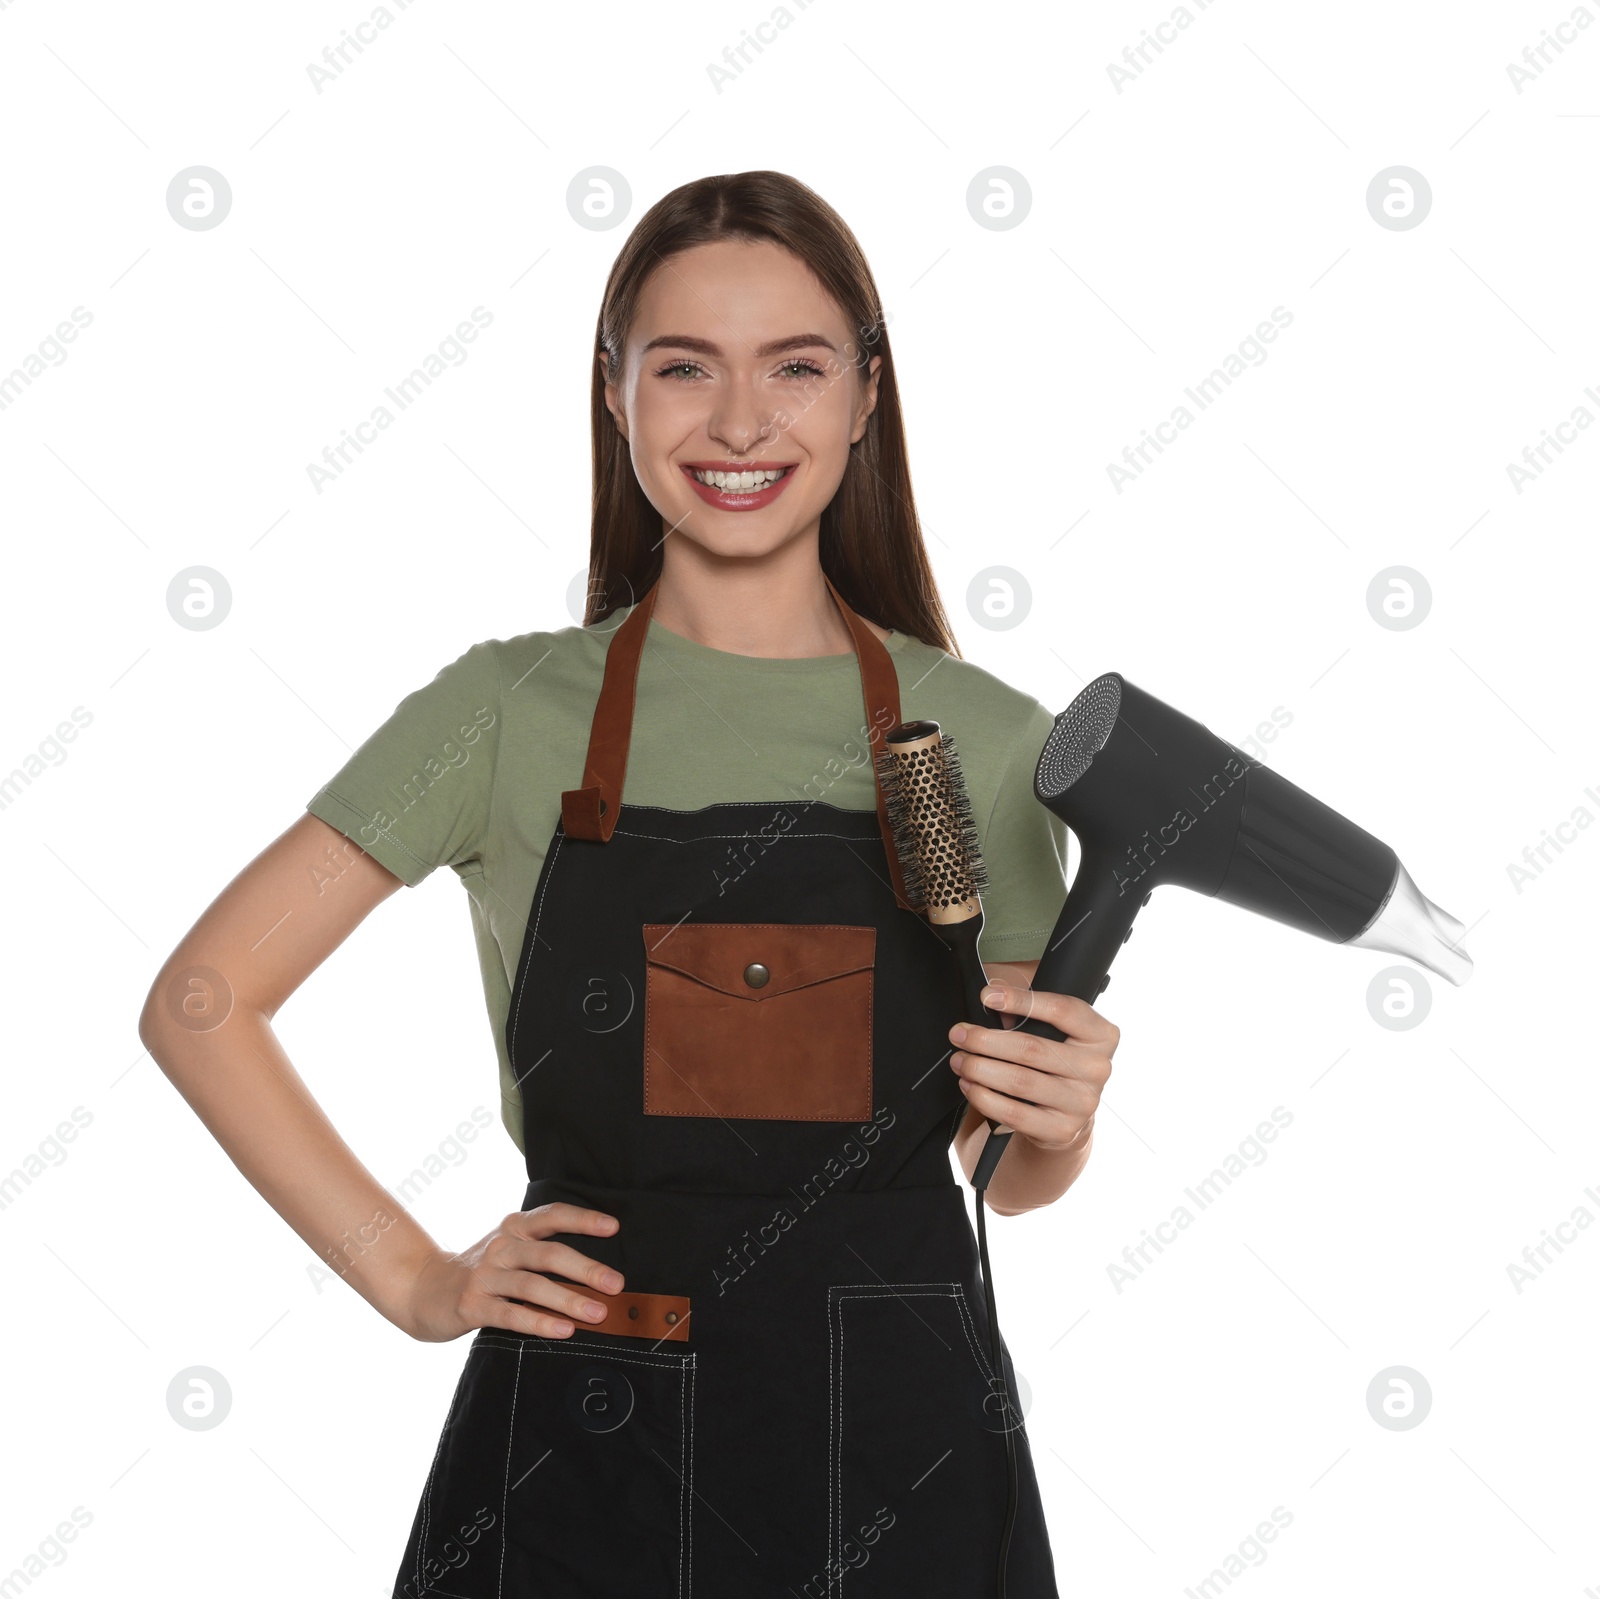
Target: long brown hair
870,542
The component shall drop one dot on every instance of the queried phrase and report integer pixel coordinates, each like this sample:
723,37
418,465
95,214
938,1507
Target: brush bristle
930,815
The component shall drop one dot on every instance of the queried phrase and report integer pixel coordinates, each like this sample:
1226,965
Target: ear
613,402
869,399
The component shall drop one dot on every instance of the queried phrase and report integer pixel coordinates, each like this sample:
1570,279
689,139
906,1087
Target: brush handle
962,939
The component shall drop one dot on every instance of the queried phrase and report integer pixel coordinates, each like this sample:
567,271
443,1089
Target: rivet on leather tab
756,975
636,1315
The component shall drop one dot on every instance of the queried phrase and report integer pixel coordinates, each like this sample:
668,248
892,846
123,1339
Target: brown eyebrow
684,341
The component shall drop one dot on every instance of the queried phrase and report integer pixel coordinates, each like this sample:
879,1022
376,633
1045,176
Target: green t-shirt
469,770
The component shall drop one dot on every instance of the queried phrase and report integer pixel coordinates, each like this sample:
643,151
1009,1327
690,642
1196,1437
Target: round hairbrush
925,797
930,816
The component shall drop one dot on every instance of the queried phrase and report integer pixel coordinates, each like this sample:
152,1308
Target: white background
1227,178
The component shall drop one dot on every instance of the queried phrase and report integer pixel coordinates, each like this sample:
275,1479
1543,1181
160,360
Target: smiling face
739,396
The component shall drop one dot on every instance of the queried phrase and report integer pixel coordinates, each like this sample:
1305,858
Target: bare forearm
242,1086
1028,1176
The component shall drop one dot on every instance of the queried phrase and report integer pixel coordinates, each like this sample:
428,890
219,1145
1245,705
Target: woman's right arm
207,1023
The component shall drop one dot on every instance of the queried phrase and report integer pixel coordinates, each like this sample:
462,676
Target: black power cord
998,1382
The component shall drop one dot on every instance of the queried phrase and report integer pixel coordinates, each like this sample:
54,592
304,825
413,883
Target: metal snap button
756,975
672,1318
633,1312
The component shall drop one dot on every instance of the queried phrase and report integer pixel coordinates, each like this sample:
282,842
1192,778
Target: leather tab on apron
591,811
656,1316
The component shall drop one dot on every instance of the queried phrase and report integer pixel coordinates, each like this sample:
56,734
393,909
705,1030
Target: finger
1031,1120
1054,1096
1078,1062
512,1317
541,1292
1065,1012
1020,1082
1059,1096
1090,1062
560,1260
558,1217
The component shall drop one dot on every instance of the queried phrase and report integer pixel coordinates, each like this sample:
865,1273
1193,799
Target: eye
686,371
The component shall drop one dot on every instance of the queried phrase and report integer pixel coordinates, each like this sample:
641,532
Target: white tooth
741,482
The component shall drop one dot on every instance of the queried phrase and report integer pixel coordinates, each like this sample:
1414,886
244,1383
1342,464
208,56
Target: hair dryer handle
1093,925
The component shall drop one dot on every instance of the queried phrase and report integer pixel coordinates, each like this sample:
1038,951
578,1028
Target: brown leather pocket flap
732,956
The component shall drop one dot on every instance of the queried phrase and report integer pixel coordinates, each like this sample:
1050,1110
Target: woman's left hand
1045,1089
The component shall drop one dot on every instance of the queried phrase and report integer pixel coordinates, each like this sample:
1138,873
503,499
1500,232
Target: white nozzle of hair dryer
1409,923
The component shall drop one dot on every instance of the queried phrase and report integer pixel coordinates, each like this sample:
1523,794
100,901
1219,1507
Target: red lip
749,500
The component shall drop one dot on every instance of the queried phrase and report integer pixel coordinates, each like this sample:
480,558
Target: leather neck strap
591,811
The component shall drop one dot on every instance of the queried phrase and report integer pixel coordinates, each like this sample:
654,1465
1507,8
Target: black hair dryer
1154,797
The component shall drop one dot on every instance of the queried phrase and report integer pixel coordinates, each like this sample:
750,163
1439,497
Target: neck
776,605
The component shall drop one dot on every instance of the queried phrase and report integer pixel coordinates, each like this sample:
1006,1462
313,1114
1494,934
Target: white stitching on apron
532,933
837,1294
967,1322
505,1492
427,1487
700,838
686,1487
684,1365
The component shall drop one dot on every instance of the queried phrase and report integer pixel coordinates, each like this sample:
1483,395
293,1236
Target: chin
734,548
733,534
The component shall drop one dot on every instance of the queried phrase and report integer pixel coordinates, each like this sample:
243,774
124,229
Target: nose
740,421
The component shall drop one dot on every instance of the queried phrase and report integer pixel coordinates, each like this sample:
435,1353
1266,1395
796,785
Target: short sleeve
417,794
1024,848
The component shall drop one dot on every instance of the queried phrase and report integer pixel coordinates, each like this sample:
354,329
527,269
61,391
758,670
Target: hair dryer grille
1079,735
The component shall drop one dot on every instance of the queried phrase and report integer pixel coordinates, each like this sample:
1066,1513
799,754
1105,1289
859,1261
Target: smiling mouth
734,479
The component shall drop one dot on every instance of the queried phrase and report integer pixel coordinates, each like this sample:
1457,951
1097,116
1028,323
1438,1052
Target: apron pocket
564,1470
917,1479
760,1020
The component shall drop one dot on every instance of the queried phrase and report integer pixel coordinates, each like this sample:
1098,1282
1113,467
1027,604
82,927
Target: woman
732,1342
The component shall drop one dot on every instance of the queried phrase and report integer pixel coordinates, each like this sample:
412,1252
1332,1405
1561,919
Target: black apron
729,1032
